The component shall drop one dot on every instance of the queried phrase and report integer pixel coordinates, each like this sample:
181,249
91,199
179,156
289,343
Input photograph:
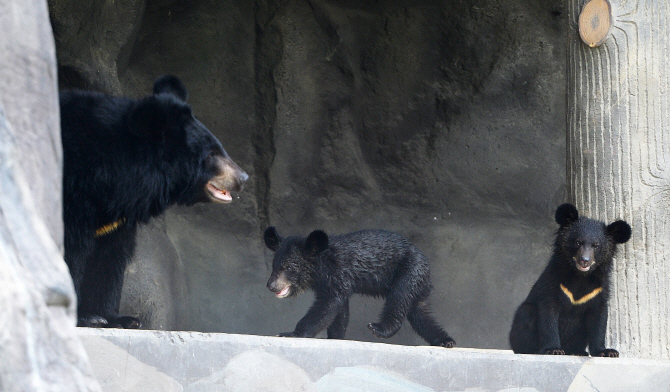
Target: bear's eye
596,246
578,243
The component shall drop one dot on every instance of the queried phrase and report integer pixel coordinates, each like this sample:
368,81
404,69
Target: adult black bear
126,161
369,262
566,309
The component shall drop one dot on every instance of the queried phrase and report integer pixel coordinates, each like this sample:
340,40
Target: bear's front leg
100,289
547,330
338,327
319,316
596,324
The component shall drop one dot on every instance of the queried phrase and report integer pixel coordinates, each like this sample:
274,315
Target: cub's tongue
219,194
284,292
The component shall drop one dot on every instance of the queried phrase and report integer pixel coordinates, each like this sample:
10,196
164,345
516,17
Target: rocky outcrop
40,351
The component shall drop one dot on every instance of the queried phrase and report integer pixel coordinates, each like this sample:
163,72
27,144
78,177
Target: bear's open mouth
583,268
218,194
284,292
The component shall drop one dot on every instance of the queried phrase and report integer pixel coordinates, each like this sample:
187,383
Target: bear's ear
170,84
153,118
620,231
272,238
566,214
316,242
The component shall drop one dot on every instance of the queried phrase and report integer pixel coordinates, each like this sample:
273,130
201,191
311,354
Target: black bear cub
124,162
368,262
566,310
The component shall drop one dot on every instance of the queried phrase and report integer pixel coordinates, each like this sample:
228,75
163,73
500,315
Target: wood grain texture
595,22
618,165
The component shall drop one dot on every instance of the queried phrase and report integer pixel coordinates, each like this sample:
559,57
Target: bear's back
369,245
86,112
371,257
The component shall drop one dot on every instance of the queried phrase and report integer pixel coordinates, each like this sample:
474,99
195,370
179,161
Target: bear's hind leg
523,335
338,327
103,281
425,325
76,257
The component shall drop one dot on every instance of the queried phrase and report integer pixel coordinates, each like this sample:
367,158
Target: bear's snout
234,175
585,257
279,285
230,177
272,284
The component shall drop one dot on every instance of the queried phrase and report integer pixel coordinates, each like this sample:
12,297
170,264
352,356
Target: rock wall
442,120
39,349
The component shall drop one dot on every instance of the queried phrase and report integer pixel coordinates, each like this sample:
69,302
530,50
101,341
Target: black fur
368,262
548,322
126,161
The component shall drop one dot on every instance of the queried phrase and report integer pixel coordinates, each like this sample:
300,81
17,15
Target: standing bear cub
368,262
566,309
126,161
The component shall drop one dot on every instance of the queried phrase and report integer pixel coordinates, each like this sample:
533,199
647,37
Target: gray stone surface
442,120
39,350
188,361
28,83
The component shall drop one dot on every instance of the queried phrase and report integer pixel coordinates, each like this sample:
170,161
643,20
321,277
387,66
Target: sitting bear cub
566,309
369,262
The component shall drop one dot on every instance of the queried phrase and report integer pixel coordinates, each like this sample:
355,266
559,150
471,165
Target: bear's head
587,243
294,262
191,158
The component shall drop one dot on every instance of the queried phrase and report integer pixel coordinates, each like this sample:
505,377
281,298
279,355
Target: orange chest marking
109,228
582,300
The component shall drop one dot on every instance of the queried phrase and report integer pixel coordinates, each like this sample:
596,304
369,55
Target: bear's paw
608,352
554,351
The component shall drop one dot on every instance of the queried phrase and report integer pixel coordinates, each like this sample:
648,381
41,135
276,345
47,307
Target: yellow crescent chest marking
106,229
582,300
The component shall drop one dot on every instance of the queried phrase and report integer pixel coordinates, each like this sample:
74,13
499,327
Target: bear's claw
554,351
97,321
125,322
609,352
380,331
447,343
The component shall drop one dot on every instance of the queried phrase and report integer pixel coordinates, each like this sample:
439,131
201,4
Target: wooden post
618,150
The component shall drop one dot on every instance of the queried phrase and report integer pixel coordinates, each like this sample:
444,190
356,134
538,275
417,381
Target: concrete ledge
144,361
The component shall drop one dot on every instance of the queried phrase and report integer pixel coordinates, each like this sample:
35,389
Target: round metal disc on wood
595,22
